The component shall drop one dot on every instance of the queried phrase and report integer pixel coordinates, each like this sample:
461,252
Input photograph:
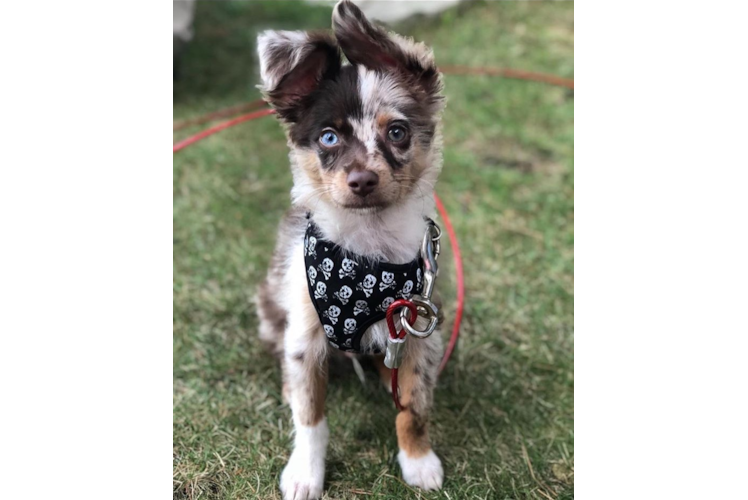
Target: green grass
503,422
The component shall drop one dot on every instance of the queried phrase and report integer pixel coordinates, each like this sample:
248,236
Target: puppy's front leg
305,376
417,378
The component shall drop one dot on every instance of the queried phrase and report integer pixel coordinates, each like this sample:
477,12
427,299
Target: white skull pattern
343,294
406,291
329,331
418,276
346,269
326,267
388,281
367,285
349,326
321,291
361,307
332,314
312,273
385,304
311,246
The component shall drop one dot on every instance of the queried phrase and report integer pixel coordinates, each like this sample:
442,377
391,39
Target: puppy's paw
425,472
302,479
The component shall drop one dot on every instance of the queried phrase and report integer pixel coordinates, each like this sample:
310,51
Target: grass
503,422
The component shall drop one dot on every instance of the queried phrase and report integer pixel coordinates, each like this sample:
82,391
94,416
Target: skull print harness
350,292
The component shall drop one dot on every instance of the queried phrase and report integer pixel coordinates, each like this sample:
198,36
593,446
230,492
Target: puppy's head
363,136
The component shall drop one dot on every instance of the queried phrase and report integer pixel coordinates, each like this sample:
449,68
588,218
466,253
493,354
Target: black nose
362,182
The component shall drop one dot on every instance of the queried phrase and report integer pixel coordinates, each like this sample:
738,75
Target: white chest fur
393,235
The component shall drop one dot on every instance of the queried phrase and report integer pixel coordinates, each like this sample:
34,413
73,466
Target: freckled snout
362,182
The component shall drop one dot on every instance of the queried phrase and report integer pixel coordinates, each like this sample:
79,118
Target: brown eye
396,133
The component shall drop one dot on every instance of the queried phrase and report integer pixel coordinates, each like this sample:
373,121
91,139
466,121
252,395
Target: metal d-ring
424,306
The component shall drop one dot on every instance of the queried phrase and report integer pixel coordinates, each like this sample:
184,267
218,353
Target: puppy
365,152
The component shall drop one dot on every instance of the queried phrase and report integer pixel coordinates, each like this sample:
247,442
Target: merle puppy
365,151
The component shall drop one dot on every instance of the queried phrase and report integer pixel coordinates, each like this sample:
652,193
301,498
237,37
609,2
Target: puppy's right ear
292,65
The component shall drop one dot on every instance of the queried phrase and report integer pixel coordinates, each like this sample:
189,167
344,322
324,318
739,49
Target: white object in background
184,14
390,11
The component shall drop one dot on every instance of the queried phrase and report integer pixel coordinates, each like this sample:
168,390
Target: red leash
221,126
398,303
460,281
221,113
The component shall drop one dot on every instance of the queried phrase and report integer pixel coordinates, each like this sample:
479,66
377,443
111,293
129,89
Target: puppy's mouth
364,209
367,204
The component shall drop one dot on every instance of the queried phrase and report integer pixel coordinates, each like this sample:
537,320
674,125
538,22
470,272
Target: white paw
302,479
425,472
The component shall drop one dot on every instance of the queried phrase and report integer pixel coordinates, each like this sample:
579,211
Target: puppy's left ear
372,47
292,65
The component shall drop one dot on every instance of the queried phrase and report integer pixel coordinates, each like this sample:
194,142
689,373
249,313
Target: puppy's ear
372,47
292,65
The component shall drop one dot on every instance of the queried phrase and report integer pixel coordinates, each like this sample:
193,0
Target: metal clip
430,249
393,356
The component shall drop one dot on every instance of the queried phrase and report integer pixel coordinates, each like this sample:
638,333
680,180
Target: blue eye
328,138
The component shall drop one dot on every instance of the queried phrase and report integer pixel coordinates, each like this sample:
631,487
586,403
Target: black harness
350,292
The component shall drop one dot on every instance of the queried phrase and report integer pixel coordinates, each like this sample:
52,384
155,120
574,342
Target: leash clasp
430,249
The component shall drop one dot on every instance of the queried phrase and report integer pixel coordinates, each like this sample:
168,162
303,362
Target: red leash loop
401,335
221,126
460,282
222,113
391,313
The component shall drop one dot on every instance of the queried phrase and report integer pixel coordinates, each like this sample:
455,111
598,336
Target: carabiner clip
425,308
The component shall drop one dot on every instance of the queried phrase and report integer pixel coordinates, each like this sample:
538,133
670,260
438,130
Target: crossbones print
332,314
321,291
330,332
361,307
311,247
388,281
385,304
418,276
406,291
349,326
343,294
367,285
312,273
326,268
346,269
